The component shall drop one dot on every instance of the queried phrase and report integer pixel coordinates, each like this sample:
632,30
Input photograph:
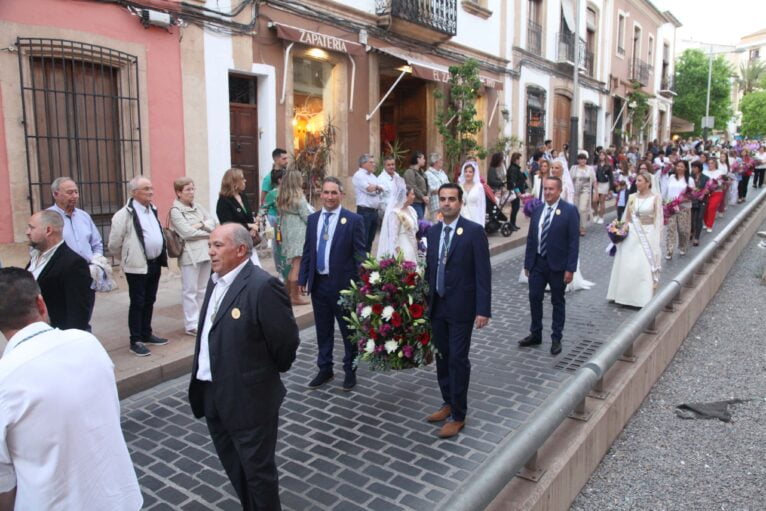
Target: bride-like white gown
402,225
475,204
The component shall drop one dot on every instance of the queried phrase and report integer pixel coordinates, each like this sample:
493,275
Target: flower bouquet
387,315
617,230
423,226
530,203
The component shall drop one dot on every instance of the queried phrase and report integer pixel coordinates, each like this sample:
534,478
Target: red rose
424,338
410,279
366,277
396,319
416,310
372,334
377,309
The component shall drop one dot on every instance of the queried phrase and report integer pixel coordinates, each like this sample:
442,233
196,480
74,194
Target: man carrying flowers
459,276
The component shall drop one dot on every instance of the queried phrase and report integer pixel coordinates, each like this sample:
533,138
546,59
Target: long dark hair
515,157
496,160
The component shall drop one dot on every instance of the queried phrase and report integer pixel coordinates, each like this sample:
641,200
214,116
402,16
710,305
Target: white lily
391,346
374,277
366,311
388,311
370,346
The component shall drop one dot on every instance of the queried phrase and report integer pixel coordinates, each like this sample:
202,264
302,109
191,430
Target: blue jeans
420,209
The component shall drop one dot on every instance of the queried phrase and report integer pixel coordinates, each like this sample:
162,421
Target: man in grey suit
247,335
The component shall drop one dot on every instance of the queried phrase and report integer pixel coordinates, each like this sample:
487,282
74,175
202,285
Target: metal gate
82,119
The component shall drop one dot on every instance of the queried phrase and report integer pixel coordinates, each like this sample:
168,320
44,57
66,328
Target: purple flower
530,206
407,350
379,348
366,289
385,330
409,266
385,263
389,288
423,226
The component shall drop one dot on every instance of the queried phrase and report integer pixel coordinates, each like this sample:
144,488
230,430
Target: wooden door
562,112
403,117
244,146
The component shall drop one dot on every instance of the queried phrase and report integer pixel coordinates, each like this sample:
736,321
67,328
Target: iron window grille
534,38
438,15
82,119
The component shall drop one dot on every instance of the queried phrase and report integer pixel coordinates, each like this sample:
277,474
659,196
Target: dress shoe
321,378
441,414
515,228
555,347
530,340
156,341
451,429
349,382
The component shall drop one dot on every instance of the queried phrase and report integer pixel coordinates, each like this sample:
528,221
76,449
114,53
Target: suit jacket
347,250
254,337
229,210
467,274
65,285
563,245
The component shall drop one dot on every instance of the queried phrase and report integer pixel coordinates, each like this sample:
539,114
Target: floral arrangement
664,169
530,202
423,226
672,207
617,230
388,316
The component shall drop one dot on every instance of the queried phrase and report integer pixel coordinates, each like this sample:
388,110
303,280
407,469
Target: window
621,34
81,119
312,100
591,26
535,28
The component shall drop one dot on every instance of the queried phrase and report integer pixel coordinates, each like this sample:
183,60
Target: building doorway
243,117
535,120
562,113
403,115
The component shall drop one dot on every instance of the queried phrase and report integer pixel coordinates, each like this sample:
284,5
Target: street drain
578,355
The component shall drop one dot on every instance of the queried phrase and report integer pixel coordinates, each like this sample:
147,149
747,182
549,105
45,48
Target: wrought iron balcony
590,66
565,49
640,71
534,38
437,15
667,86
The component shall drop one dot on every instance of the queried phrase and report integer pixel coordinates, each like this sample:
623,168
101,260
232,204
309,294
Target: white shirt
151,228
61,444
386,181
675,187
555,206
714,174
332,224
222,285
452,226
361,180
38,261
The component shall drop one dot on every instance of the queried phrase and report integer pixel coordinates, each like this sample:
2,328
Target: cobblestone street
371,449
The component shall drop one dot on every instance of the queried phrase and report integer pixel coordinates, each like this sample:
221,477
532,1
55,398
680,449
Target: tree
457,123
750,75
691,89
753,108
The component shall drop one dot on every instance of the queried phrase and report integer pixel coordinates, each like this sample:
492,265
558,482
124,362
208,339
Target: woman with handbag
292,217
193,224
234,206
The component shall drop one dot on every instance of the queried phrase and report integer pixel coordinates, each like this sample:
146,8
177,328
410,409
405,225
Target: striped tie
546,229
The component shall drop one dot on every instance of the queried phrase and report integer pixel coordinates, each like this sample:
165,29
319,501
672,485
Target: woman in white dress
542,173
474,199
585,186
559,170
435,177
400,224
636,270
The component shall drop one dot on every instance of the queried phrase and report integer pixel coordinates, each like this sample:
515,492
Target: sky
715,21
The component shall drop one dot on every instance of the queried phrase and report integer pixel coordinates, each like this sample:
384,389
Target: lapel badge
558,212
459,231
235,313
343,220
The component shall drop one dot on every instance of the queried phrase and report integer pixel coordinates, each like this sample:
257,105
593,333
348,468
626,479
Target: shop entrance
403,118
243,121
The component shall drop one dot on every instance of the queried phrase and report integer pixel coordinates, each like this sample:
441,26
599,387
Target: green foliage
457,122
753,108
504,144
395,150
638,114
751,76
314,159
691,87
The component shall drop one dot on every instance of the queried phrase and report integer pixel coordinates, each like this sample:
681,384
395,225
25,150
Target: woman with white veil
474,198
559,169
400,224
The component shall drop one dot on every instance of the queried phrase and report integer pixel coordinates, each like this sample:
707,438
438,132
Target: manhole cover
578,355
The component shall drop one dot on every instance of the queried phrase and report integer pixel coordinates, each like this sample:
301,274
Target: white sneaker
762,234
762,244
709,229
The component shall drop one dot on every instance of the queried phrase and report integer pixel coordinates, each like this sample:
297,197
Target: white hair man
137,236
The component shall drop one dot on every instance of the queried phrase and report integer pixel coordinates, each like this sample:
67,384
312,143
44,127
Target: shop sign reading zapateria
317,39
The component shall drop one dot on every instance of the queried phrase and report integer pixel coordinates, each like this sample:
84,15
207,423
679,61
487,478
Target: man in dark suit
63,276
459,276
553,244
246,336
333,250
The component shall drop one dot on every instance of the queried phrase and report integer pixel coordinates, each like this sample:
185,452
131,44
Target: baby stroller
496,220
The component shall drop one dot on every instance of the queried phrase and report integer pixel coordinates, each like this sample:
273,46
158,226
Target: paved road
371,449
660,461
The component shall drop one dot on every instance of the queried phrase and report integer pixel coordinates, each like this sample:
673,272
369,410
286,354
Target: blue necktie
442,262
323,242
546,228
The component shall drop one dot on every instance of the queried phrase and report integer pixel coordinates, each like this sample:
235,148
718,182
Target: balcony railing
640,71
566,49
534,38
667,86
590,68
437,15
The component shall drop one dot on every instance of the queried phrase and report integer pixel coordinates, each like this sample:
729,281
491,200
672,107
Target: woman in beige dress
292,217
585,185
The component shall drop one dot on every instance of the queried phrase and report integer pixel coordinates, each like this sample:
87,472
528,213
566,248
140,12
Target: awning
679,125
568,11
318,39
427,68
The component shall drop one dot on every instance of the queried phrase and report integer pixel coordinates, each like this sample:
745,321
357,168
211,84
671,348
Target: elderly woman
193,224
234,206
435,177
292,217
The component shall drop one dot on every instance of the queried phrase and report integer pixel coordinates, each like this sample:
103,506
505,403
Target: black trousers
142,289
758,178
698,217
620,212
742,187
324,300
453,369
247,456
539,276
515,205
370,217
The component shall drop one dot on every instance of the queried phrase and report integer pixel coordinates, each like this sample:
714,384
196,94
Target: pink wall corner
6,228
164,96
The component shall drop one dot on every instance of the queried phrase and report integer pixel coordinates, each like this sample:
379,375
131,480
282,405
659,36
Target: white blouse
675,187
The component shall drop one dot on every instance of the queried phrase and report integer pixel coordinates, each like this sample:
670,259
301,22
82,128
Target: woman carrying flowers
679,224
